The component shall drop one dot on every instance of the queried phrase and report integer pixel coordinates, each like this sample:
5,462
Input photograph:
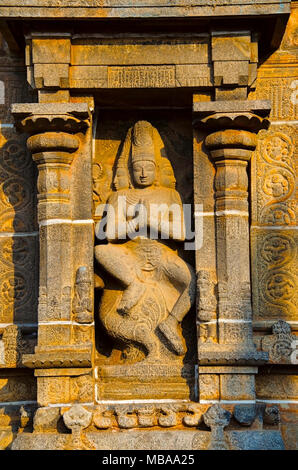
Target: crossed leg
121,262
181,275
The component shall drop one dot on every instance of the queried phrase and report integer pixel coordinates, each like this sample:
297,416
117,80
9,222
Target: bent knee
100,252
180,271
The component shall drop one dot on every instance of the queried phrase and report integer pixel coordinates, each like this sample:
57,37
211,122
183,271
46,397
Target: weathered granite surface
147,235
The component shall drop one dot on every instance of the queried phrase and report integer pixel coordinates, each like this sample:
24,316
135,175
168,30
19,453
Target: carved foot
169,328
130,297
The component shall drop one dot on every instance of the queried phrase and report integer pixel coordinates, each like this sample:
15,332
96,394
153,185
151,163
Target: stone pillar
230,129
57,139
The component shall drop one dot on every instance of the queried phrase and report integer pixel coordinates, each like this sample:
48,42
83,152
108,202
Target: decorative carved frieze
182,415
49,358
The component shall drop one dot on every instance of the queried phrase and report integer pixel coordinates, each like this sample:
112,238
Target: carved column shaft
232,235
54,216
57,132
231,138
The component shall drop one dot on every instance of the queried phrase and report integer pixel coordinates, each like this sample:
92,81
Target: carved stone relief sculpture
154,287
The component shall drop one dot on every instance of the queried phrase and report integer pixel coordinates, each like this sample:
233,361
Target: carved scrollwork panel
273,249
274,256
273,177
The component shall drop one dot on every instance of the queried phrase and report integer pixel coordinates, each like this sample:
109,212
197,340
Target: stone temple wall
19,250
220,371
273,223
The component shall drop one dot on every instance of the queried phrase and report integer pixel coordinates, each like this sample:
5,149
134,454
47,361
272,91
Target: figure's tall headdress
142,142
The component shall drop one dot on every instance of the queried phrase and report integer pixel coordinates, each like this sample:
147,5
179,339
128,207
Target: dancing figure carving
152,288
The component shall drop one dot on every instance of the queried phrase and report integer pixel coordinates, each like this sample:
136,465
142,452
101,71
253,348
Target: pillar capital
55,131
36,118
218,116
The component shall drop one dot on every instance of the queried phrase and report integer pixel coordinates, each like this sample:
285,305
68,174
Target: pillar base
223,355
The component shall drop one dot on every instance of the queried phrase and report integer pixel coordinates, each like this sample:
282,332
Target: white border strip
117,402
55,405
232,212
44,223
230,320
283,122
275,227
140,401
223,320
257,400
204,214
18,234
28,325
83,221
65,221
276,401
17,403
6,125
65,322
206,402
227,402
220,213
270,322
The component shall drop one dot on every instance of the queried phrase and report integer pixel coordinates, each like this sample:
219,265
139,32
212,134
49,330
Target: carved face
121,179
167,176
144,173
